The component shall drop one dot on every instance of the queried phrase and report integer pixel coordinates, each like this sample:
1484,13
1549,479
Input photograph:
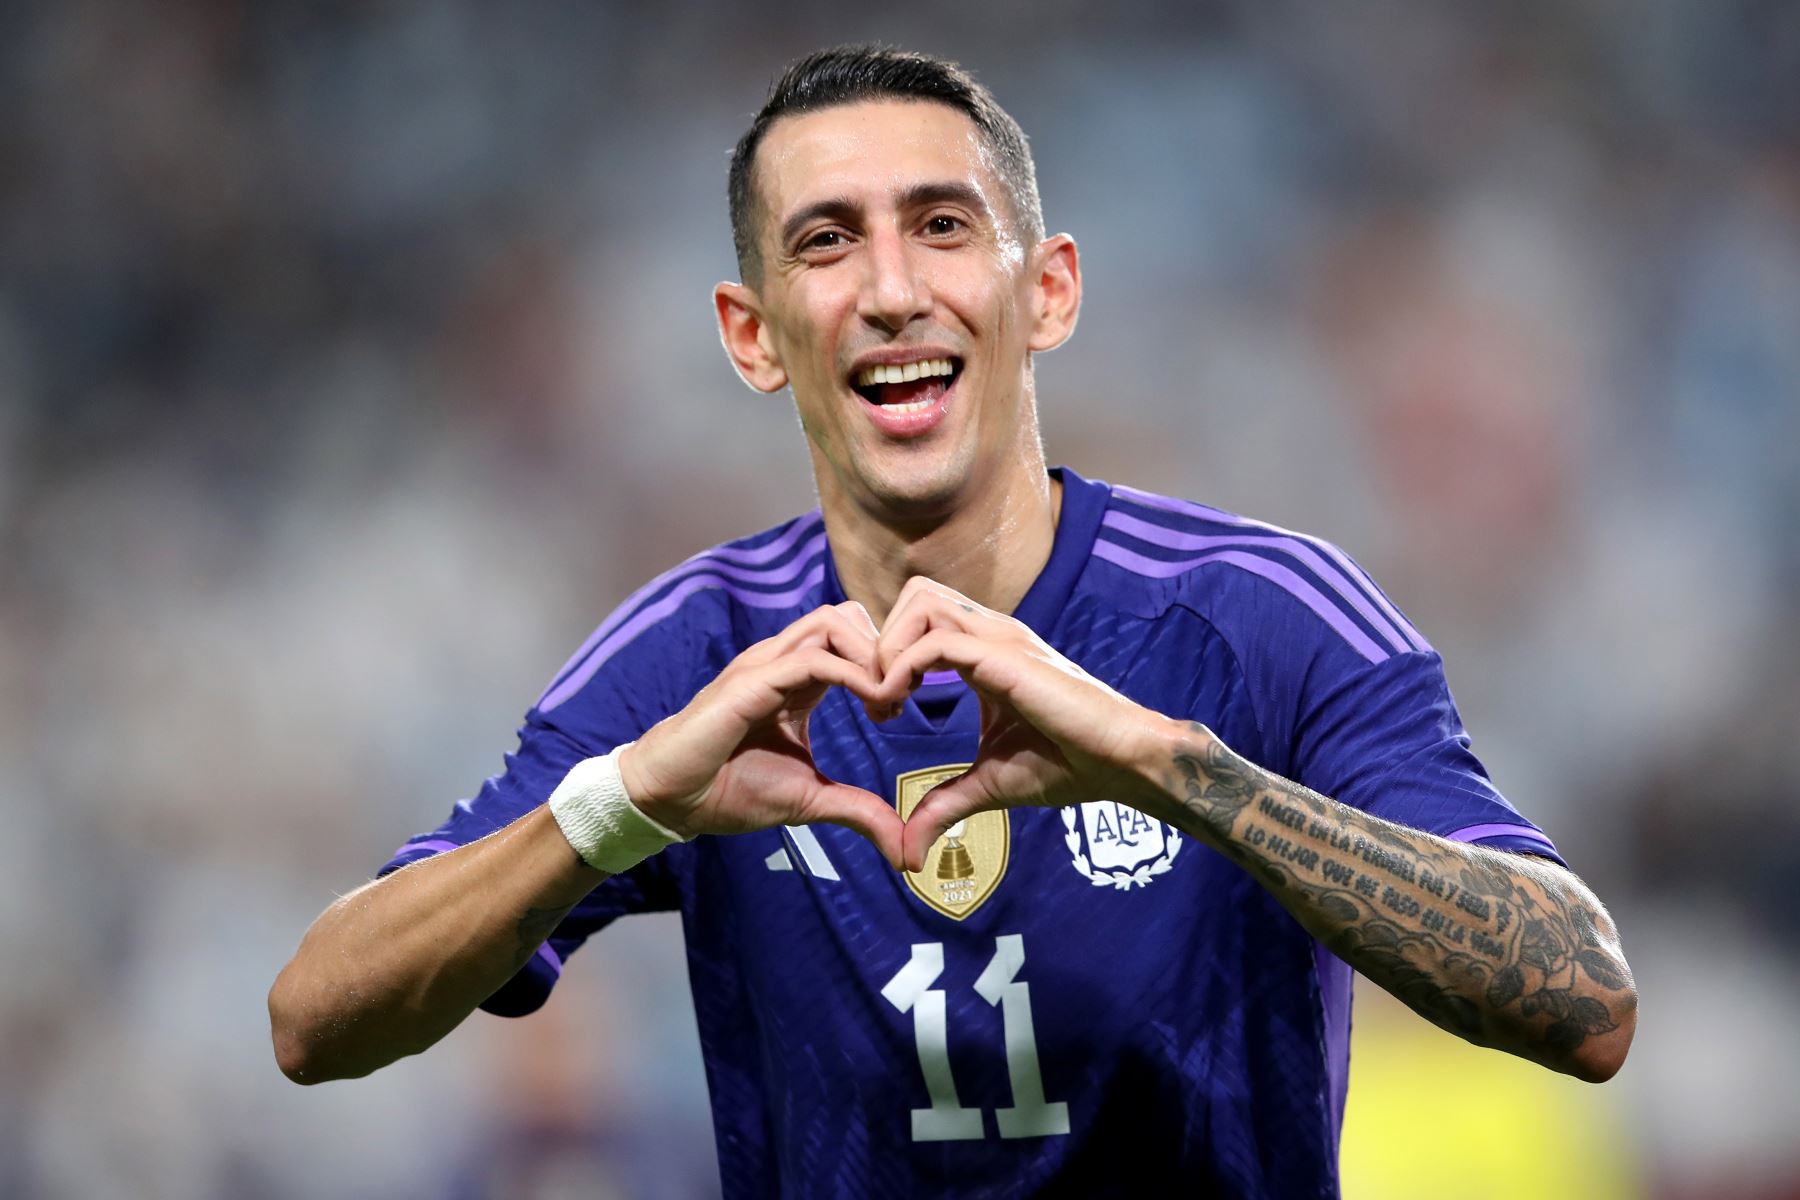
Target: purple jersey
1078,1000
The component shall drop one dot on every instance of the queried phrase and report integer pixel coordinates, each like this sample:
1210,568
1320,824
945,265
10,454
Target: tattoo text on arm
1463,934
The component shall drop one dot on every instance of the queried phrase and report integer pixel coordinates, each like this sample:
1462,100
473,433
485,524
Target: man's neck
991,549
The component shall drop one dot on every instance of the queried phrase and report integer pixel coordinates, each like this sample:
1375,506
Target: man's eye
825,239
942,226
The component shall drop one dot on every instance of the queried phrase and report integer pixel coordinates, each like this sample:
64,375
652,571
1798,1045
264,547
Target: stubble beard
923,488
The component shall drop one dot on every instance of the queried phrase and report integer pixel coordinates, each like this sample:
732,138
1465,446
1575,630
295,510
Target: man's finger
933,606
819,664
845,629
845,636
859,616
776,683
903,625
908,590
861,811
961,652
867,636
942,807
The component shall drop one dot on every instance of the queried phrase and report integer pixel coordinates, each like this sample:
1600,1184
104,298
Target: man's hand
1051,734
737,758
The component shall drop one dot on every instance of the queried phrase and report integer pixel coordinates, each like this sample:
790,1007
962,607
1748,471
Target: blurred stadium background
356,358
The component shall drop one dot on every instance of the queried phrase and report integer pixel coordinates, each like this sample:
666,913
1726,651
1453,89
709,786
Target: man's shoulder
1248,577
774,571
766,575
776,543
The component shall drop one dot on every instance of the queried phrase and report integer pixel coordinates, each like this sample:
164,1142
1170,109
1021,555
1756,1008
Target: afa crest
963,867
1115,845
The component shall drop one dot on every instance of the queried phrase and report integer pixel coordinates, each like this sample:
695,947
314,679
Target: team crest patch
963,867
1115,845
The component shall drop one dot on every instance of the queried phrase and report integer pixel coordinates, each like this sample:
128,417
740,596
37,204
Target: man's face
888,245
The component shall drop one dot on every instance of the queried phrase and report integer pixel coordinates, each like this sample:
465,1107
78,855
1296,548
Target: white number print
1031,1115
947,1120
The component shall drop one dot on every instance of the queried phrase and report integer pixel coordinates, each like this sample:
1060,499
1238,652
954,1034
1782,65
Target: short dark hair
851,74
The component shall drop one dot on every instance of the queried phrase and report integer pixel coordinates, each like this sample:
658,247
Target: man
1127,772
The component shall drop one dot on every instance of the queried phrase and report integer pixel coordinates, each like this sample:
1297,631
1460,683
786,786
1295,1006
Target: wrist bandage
599,819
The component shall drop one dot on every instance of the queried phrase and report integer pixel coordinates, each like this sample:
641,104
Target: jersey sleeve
1386,738
1351,700
598,702
544,756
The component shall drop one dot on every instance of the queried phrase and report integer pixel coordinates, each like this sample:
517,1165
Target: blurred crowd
355,359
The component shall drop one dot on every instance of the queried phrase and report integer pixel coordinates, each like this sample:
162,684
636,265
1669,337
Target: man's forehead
868,149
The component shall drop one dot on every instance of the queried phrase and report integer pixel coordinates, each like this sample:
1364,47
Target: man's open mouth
907,387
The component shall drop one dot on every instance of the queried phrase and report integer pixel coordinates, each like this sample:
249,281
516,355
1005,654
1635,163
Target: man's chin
917,495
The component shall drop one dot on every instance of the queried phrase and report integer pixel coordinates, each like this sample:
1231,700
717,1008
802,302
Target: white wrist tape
599,819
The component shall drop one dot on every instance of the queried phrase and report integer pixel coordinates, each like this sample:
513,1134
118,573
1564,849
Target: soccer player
1025,829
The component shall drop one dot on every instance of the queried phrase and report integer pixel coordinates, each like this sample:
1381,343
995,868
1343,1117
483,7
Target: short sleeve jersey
1076,1001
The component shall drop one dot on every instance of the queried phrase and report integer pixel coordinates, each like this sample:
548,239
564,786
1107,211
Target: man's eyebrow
837,208
919,195
950,191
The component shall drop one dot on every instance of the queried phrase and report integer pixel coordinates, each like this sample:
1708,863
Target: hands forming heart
737,758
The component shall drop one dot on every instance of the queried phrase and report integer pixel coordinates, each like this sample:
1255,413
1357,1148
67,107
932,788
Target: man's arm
1505,950
392,967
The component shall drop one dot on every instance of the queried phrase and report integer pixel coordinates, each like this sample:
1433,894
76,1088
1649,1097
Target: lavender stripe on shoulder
1474,833
752,556
650,615
1206,512
708,561
1325,610
1175,539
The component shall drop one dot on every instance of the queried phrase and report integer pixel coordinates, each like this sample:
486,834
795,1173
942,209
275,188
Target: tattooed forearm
1498,948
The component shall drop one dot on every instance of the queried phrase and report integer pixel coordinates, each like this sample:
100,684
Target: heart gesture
738,759
1051,734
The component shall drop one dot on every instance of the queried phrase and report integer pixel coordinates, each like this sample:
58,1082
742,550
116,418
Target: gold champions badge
963,867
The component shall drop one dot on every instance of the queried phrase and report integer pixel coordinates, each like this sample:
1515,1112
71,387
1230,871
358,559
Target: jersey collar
1083,505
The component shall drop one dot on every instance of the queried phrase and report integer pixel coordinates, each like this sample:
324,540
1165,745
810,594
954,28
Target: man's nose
893,294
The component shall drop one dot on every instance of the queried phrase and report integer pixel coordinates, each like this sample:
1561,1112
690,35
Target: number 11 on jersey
947,1120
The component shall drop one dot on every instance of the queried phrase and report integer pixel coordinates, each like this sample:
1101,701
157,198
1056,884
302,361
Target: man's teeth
905,373
915,406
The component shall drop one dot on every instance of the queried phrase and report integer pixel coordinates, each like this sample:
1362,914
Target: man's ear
1056,291
746,338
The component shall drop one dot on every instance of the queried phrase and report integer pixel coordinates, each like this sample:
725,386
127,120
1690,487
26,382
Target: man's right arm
392,967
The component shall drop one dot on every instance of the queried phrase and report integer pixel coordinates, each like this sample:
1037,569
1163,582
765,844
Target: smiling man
1025,828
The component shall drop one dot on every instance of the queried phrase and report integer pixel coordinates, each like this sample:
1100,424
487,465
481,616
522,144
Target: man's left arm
1506,950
